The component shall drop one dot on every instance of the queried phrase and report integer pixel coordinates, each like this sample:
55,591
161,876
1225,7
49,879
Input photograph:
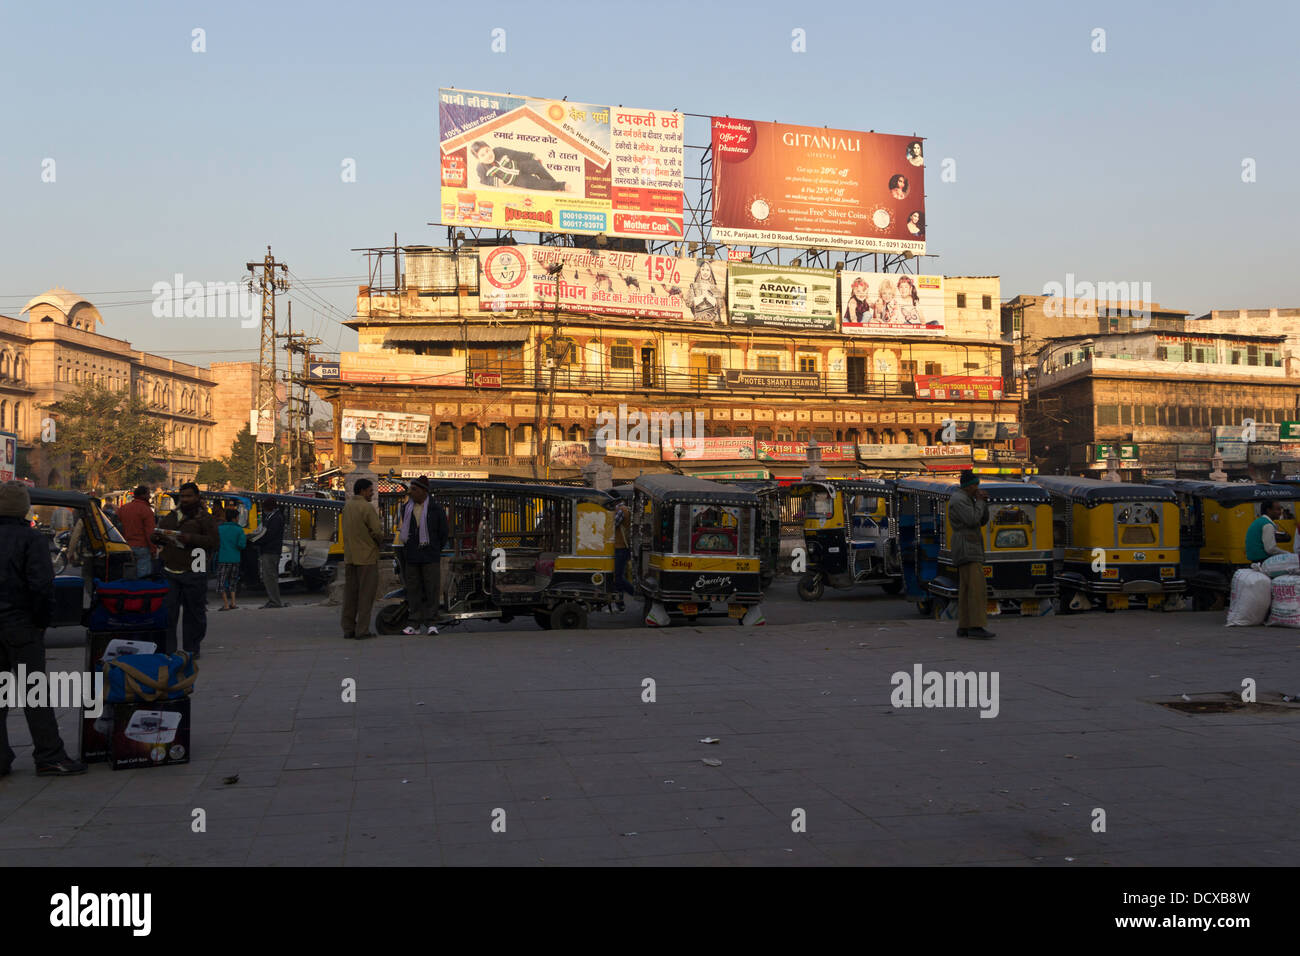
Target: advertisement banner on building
708,449
881,303
870,452
797,451
1255,431
780,185
1231,449
983,388
611,283
518,162
570,454
773,381
389,367
1289,431
639,450
1288,451
1122,452
781,297
455,474
8,456
389,427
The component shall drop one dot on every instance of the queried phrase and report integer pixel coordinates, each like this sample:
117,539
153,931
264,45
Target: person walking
26,608
233,541
269,546
968,513
183,532
1263,535
363,533
422,533
622,551
138,523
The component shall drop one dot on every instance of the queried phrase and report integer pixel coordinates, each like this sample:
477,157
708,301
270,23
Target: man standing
1263,535
183,533
138,523
26,606
422,532
968,513
622,551
269,546
363,533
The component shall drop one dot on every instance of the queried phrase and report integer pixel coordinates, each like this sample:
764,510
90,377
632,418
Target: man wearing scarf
192,531
421,534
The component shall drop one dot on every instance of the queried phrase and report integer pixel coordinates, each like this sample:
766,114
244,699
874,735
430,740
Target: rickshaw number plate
737,610
1117,602
1028,607
993,608
988,571
690,609
1166,572
1038,569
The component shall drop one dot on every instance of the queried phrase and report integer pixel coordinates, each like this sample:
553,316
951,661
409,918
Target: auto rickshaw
312,550
695,546
1116,544
517,549
768,542
1213,519
108,554
850,533
1017,547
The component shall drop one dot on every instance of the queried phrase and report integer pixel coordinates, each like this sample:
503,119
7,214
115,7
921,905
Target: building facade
517,393
1164,403
56,349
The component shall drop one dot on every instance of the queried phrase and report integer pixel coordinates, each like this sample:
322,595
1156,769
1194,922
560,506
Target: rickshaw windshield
865,504
219,506
1137,523
715,529
818,504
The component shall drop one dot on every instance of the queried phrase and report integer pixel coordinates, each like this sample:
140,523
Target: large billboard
517,162
781,185
781,297
388,427
591,280
878,303
981,388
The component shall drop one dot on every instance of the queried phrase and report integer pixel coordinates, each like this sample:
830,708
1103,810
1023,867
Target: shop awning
453,334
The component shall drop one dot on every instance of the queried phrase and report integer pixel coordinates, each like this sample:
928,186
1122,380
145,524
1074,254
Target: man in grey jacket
968,513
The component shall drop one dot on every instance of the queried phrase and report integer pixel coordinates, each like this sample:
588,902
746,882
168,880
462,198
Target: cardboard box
150,735
108,645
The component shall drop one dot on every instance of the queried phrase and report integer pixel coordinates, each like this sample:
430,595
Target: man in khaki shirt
362,535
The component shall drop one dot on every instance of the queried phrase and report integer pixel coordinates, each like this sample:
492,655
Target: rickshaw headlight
598,578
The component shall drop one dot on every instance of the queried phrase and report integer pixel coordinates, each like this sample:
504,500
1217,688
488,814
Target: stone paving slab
549,731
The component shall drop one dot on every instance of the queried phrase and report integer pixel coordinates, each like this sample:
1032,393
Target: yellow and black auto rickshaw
694,547
1214,517
312,550
1116,544
1017,547
850,533
104,554
520,549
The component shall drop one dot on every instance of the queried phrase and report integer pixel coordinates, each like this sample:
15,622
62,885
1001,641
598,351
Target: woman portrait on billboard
916,223
898,186
704,297
858,311
909,311
914,153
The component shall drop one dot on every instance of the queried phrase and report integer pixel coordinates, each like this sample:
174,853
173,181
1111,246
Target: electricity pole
274,278
297,343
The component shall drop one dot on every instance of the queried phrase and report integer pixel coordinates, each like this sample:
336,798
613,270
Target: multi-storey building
1272,321
491,391
57,349
1163,403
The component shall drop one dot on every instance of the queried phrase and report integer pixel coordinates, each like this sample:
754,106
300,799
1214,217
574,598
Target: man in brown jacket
186,535
363,533
968,513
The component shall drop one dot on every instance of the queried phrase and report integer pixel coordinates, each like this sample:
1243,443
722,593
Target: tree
109,437
213,473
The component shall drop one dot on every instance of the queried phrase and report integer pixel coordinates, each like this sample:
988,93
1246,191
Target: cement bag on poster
1252,592
1284,563
1286,602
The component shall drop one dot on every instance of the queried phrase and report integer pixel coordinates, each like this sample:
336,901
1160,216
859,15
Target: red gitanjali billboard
781,185
982,388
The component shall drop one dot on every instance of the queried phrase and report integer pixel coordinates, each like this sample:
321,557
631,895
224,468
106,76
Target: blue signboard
323,370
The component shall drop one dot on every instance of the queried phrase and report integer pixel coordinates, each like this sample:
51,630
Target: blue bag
132,678
129,605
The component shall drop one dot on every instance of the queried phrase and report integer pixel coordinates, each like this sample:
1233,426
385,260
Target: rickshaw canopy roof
59,499
1094,491
520,490
997,491
851,486
1231,492
684,488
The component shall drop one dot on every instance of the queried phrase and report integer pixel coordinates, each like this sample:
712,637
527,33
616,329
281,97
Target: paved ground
550,729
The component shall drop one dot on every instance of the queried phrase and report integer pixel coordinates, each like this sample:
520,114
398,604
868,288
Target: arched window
444,439
4,365
18,418
498,440
469,434
576,433
4,414
763,433
742,431
784,434
523,438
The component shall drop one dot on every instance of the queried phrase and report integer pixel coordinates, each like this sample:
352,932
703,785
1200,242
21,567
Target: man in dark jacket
187,534
968,513
422,532
269,546
26,607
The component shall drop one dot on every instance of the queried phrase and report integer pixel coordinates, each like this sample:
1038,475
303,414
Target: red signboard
949,387
485,379
798,451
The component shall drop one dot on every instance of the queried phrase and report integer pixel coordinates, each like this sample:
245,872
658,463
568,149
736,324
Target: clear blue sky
1123,165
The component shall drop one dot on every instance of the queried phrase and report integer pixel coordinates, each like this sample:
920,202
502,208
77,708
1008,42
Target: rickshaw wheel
569,616
811,587
893,587
391,619
543,619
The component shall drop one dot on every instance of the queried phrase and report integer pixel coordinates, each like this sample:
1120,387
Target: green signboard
1124,452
